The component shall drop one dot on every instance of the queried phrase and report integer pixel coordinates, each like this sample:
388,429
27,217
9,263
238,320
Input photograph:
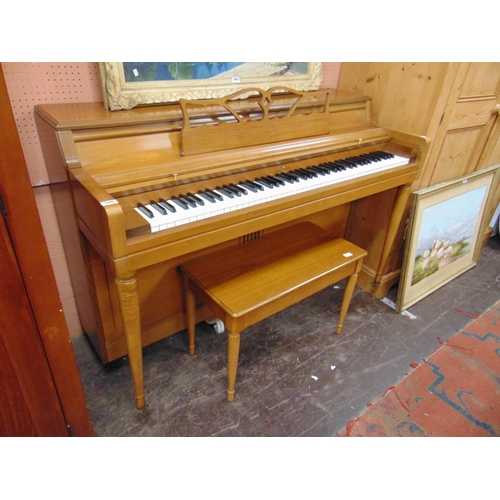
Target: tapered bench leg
233,350
313,267
349,289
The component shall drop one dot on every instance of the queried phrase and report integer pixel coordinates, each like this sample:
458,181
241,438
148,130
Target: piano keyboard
190,207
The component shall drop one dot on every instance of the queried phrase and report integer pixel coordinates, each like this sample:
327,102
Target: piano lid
92,115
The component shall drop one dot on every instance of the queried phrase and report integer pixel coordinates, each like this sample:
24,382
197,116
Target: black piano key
365,158
216,195
325,168
373,156
284,178
255,185
231,189
318,170
167,205
180,203
340,165
186,199
250,186
344,163
358,161
384,155
158,207
289,176
351,162
239,188
293,175
333,168
226,192
298,172
275,181
145,211
265,182
309,172
207,196
195,198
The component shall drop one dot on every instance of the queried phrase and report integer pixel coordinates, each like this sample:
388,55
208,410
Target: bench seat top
251,275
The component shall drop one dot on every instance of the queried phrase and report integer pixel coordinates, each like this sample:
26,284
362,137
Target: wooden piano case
102,163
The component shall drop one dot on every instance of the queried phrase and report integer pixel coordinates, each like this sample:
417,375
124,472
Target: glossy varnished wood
259,278
113,160
280,119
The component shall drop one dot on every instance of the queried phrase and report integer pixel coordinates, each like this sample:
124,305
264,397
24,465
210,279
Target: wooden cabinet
455,105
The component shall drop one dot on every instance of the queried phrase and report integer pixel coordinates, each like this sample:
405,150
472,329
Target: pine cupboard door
467,135
29,403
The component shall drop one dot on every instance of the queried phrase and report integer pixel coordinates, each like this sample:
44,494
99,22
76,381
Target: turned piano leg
129,304
233,350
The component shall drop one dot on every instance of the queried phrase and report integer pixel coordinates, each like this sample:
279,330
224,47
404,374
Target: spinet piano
152,187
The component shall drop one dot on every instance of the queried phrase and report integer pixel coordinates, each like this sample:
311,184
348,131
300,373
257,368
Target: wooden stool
249,282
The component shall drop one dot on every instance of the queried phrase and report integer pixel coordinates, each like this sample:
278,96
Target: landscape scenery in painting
169,71
446,233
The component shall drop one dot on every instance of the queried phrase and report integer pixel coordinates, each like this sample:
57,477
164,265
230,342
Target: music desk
251,281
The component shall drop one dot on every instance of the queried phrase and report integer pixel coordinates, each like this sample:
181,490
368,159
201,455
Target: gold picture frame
123,87
445,233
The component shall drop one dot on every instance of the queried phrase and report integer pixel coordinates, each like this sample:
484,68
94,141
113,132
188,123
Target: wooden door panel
30,405
470,114
481,80
455,155
36,345
466,136
20,422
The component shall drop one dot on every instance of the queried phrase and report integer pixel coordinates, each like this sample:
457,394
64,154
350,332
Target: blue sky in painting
453,219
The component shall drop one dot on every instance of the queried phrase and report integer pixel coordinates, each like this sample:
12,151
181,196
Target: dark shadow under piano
296,377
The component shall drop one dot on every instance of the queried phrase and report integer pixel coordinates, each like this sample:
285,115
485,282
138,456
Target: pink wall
29,84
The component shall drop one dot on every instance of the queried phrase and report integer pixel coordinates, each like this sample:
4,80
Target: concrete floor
286,383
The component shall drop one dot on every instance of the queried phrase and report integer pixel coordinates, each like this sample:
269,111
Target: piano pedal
217,324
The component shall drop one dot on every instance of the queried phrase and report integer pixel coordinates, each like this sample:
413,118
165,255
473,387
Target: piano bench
251,281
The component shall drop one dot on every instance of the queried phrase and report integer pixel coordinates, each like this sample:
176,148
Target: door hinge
2,207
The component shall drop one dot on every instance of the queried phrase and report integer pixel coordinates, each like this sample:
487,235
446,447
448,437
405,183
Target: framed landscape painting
445,235
130,84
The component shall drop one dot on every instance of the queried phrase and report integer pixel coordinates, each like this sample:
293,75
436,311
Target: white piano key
182,216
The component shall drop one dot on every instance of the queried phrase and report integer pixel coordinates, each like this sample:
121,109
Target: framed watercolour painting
130,84
445,233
